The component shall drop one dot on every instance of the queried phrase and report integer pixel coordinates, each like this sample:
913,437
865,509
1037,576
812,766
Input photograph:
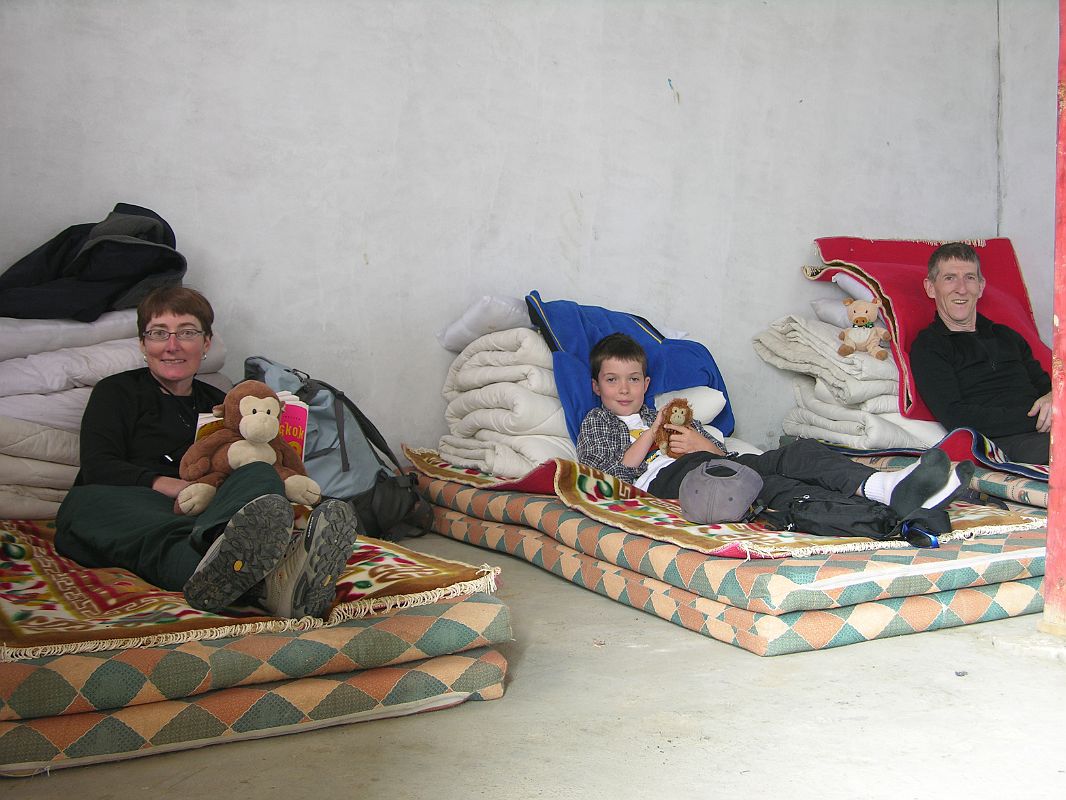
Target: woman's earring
203,357
145,357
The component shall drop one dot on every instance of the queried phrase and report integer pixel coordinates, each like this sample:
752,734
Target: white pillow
853,287
488,314
706,402
831,311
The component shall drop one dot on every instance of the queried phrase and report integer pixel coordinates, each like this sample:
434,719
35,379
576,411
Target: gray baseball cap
718,491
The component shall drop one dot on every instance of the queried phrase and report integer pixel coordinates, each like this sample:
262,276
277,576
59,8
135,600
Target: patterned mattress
766,606
97,665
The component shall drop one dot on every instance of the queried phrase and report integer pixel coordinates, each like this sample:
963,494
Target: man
975,373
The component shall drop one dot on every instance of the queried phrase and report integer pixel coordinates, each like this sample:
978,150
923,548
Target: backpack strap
372,434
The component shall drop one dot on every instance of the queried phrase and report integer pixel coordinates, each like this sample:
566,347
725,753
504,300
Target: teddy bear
676,412
864,335
250,432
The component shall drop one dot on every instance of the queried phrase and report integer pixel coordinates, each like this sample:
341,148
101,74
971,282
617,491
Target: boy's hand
657,423
689,440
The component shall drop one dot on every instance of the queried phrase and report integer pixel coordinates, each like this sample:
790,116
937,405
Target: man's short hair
620,346
952,250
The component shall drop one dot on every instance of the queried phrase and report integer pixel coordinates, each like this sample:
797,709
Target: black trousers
803,467
1026,448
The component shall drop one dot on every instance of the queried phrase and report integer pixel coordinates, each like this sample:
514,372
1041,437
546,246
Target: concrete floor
604,701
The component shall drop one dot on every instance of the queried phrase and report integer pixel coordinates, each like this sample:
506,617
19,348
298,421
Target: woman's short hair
175,300
620,346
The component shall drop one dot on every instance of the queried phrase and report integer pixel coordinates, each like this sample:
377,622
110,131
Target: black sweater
986,380
132,432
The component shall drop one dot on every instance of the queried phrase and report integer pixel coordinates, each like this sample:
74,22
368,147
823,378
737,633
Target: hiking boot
305,581
250,546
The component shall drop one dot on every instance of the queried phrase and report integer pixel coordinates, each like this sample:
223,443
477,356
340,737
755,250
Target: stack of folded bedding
846,400
503,410
47,371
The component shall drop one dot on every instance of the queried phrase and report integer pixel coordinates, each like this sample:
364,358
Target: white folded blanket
72,367
505,408
854,428
61,410
29,440
809,346
28,502
500,454
881,404
22,337
518,356
36,473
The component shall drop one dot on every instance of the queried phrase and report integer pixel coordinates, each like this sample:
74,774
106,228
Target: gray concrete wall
346,177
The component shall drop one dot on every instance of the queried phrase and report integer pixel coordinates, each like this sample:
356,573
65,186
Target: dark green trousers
136,528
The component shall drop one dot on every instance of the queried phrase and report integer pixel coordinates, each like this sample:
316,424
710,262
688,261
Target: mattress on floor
767,606
860,612
97,665
240,713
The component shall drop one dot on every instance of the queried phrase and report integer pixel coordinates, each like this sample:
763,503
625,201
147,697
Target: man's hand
1042,411
688,440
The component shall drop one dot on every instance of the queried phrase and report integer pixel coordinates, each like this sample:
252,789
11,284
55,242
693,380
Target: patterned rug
51,605
608,500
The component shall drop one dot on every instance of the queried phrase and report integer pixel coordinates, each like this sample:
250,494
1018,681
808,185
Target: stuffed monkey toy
250,432
676,412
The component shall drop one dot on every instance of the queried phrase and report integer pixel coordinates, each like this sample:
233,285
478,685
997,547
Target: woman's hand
169,486
689,440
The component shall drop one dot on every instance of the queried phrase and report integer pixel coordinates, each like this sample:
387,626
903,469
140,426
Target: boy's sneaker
305,582
251,545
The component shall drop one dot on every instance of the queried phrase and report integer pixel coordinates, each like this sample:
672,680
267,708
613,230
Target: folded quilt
23,337
61,410
852,427
505,408
881,404
500,454
72,367
30,440
798,345
33,472
29,502
517,356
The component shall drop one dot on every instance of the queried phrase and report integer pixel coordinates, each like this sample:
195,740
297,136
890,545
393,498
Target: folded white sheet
809,346
505,408
61,410
28,502
882,404
36,473
852,427
518,355
22,337
500,454
30,440
71,367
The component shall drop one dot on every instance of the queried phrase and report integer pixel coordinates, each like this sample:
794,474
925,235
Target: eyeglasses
162,334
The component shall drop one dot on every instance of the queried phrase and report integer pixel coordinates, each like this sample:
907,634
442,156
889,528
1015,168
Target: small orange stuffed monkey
676,412
250,432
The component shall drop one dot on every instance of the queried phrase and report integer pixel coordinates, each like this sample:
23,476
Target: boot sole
250,547
329,542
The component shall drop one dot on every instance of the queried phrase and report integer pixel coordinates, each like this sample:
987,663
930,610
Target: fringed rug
608,500
51,605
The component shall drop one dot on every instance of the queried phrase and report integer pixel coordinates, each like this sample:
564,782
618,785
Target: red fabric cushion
894,270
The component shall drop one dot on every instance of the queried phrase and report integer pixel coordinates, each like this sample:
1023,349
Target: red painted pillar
1054,620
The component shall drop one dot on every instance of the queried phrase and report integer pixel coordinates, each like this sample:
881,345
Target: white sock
879,486
952,484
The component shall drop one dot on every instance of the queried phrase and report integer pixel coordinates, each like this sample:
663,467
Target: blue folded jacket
571,330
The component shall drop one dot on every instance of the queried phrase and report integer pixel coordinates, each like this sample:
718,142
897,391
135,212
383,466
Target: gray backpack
343,454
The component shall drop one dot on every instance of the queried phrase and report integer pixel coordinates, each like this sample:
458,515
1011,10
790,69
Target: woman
120,512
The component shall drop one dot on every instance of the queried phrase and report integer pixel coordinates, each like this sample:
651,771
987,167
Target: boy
618,437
